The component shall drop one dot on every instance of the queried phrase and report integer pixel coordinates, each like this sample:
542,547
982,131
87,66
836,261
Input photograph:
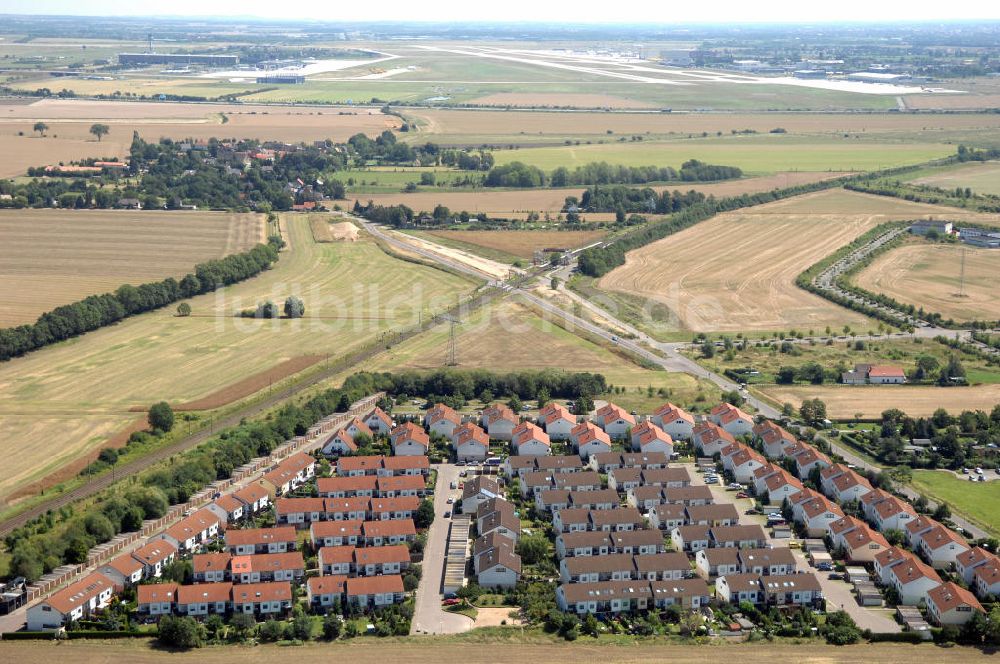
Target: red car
743,494
452,602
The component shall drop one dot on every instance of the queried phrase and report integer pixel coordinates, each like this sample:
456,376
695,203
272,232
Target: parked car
834,576
824,567
742,494
451,501
734,486
447,514
452,602
454,485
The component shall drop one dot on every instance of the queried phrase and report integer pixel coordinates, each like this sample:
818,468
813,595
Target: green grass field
388,180
756,155
979,501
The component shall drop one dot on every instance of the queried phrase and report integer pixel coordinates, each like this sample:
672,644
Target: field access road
428,616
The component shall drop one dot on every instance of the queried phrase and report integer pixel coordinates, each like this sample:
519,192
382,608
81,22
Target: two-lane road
428,616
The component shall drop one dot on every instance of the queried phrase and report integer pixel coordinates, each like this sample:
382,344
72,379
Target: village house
156,599
801,589
586,480
672,566
557,421
499,422
408,439
379,422
403,507
499,567
571,520
534,481
710,439
850,486
710,563
688,495
375,591
967,562
623,480
875,374
290,474
986,579
740,537
739,588
816,514
655,440
360,466
154,556
340,444
644,498
211,567
124,570
767,562
348,509
193,530
913,579
610,597
498,516
893,513
951,604
675,422
668,478
325,591
404,465
690,538
336,560
347,487
941,546
886,559
828,475
722,514
780,486
601,499
733,420
667,516
263,599
809,458
374,560
587,439
615,421
616,519
477,491
529,440
228,508
570,463
266,567
204,599
582,543
299,512
75,602
261,540
773,438
443,421
742,464
470,442
916,528
485,543
591,569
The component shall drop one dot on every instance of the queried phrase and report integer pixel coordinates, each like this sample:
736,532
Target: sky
636,11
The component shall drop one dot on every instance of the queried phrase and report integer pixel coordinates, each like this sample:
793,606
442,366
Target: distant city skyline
641,11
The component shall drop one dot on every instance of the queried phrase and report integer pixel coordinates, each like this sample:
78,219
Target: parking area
838,593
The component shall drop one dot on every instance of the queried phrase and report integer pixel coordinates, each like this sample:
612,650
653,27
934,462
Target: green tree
179,571
243,626
942,511
785,375
813,411
926,366
424,516
302,628
533,549
515,403
267,310
161,416
272,630
708,349
41,128
181,632
99,130
26,561
183,309
294,307
333,626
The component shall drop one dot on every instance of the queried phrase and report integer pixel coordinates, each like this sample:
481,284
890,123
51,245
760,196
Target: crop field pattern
928,275
981,178
846,401
736,271
82,390
54,257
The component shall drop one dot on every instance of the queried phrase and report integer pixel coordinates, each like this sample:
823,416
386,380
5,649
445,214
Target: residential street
428,616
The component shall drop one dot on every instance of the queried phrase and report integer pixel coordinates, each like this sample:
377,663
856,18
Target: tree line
619,198
97,311
521,175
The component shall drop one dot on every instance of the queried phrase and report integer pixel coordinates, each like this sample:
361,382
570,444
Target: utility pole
961,276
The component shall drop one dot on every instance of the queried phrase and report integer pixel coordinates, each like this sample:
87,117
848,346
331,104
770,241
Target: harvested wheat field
508,336
517,204
982,178
62,402
522,244
558,100
845,401
481,648
54,257
736,272
927,275
69,120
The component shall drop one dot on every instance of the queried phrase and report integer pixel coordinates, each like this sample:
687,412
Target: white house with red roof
556,420
941,546
471,443
588,439
379,422
986,578
732,419
356,427
967,562
615,421
913,579
710,439
774,439
340,444
76,601
499,422
951,604
528,439
675,421
408,439
442,420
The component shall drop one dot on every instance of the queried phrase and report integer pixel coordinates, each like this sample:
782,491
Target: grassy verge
977,501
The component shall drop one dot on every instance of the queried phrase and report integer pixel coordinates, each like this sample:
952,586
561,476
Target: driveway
428,616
